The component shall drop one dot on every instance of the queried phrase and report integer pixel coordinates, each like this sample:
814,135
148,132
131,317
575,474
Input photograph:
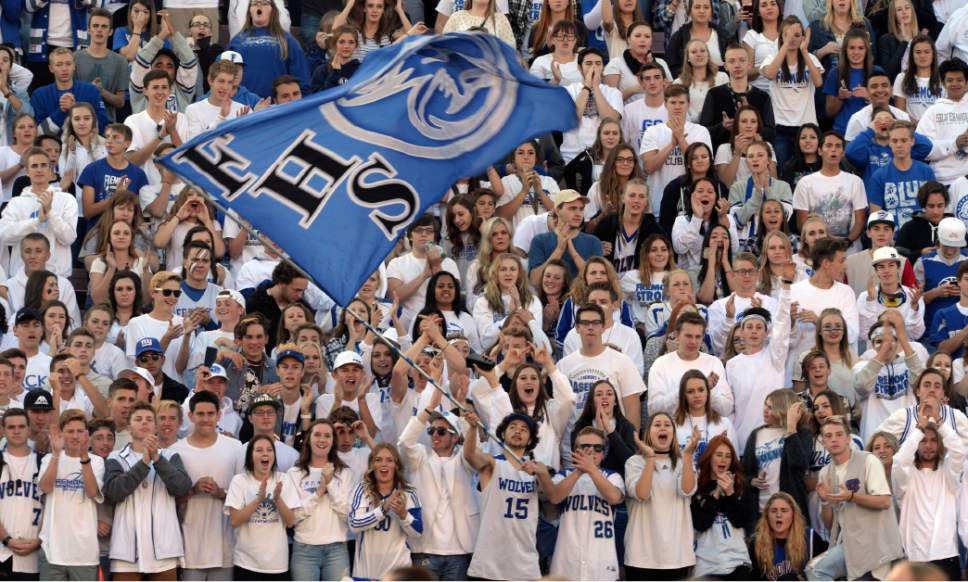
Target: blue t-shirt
852,105
896,191
104,179
946,323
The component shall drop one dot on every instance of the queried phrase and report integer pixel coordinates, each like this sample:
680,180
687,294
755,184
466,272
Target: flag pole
391,343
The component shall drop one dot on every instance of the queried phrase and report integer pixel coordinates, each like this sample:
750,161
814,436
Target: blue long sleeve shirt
263,62
896,191
869,156
46,103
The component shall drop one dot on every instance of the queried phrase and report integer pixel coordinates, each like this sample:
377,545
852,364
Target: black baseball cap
38,399
26,314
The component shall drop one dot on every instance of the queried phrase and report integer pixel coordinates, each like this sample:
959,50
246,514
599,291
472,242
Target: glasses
624,160
201,24
590,447
264,412
745,272
590,322
564,37
169,292
439,431
424,230
152,357
832,328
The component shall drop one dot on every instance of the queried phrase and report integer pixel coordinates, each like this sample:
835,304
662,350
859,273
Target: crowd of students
716,330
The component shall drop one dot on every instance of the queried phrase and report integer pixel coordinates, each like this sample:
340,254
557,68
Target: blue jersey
896,191
936,273
946,323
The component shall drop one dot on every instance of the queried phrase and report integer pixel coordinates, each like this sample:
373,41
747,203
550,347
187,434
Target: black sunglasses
439,430
169,292
596,448
153,357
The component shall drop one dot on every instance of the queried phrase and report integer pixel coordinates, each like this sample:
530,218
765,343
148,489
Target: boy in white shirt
155,125
615,334
41,208
66,372
594,101
835,195
944,123
209,113
663,145
72,479
642,114
666,373
210,459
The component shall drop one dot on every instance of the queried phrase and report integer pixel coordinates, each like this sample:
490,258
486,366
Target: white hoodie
20,218
942,123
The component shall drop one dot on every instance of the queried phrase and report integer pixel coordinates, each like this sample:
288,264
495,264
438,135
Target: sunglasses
169,292
586,447
439,431
151,357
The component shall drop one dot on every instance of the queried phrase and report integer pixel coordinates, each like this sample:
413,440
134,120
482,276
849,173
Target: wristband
851,496
306,416
87,462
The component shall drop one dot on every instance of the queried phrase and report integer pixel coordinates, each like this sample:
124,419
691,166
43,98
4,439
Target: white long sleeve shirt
687,239
719,323
928,497
812,298
666,374
953,39
21,217
752,377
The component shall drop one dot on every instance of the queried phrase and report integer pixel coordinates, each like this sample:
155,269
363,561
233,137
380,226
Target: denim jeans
445,567
830,565
326,562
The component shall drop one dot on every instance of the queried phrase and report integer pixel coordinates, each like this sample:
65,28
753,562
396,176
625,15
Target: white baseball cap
886,254
347,357
232,57
140,372
951,232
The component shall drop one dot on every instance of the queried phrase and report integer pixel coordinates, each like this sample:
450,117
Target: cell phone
210,354
475,359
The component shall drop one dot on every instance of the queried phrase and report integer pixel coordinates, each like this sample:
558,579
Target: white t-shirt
628,79
920,100
698,91
69,534
769,454
59,30
38,369
583,137
9,159
143,130
639,117
203,116
512,186
262,545
109,360
763,49
525,232
793,103
146,326
584,371
406,268
541,68
448,7
619,335
658,137
834,198
205,522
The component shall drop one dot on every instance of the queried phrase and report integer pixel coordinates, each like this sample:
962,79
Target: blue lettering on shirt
515,486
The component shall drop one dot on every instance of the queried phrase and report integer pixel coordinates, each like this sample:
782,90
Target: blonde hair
892,25
765,541
765,285
166,404
492,290
579,287
685,77
487,249
162,277
828,17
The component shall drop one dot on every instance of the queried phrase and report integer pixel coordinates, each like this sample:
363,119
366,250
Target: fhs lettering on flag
335,179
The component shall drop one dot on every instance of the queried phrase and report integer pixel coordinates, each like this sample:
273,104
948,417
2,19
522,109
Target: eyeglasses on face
169,292
201,24
585,447
590,322
149,357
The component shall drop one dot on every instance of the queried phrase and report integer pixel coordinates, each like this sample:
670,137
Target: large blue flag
336,179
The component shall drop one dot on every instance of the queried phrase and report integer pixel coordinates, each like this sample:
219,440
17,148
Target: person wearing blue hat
505,547
150,356
296,399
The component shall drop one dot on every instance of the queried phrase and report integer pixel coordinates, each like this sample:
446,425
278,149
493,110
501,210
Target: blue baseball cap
147,344
290,354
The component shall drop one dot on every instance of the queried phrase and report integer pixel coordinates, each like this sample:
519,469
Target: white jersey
20,506
192,298
505,547
381,543
585,549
